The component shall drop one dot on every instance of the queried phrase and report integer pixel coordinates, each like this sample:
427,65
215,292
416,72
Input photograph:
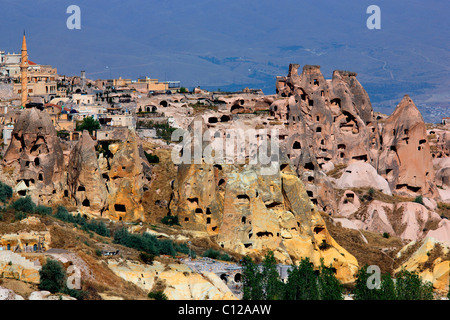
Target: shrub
386,235
170,220
324,245
52,276
44,210
419,199
24,204
63,214
211,253
166,247
6,192
146,258
157,295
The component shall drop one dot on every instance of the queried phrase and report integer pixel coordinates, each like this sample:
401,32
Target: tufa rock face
405,160
34,160
85,183
329,123
127,177
250,213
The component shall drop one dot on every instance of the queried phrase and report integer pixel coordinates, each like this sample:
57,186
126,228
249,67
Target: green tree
89,124
362,291
409,286
302,282
387,288
252,288
330,287
52,276
271,282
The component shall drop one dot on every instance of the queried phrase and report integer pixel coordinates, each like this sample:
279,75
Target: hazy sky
234,44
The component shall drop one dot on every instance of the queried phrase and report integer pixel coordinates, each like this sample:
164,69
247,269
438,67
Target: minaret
24,71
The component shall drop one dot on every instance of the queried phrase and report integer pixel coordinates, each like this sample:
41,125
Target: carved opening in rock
36,161
236,108
214,228
40,177
314,201
310,102
208,211
243,220
309,166
224,277
422,141
272,204
66,193
208,220
86,203
198,210
319,230
342,155
81,188
316,82
225,118
186,219
284,167
342,146
243,198
319,129
213,120
310,193
336,102
193,200
264,234
310,179
163,103
221,182
237,277
389,173
120,207
296,145
408,187
360,158
22,192
393,148
218,166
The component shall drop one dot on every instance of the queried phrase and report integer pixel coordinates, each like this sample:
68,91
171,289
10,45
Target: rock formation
34,163
405,160
128,173
431,260
85,183
249,212
360,175
329,123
